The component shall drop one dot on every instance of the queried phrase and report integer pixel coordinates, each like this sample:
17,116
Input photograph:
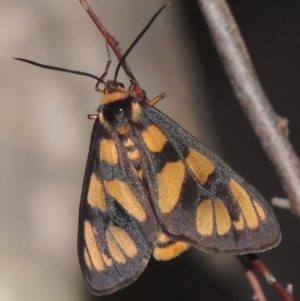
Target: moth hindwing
150,187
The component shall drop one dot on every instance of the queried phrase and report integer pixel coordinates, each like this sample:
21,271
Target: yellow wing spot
169,182
114,249
222,218
96,196
87,259
200,165
245,203
128,143
134,155
108,151
171,251
124,196
124,241
260,211
92,247
239,224
204,218
135,112
154,139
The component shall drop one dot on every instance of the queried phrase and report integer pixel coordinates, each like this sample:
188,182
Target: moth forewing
117,226
196,196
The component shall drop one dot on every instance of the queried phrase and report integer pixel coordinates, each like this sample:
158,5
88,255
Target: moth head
115,91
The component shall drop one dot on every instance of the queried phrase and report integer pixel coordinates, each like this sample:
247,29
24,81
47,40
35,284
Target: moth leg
101,79
132,86
157,99
92,116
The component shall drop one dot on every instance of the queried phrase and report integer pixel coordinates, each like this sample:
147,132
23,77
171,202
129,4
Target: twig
113,43
263,270
281,203
258,292
269,127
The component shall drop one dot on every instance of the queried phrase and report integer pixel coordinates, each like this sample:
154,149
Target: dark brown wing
196,196
117,226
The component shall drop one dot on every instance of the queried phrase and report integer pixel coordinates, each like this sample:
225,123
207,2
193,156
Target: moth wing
117,226
196,196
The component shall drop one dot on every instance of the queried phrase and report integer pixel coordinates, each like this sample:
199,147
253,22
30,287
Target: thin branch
269,127
281,203
113,43
289,288
258,292
264,271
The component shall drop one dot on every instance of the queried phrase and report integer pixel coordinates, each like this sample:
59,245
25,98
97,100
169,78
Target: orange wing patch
128,142
239,224
167,249
163,238
200,165
114,249
123,129
124,241
121,192
135,112
223,221
108,151
94,257
170,251
96,196
170,181
154,139
205,218
245,204
87,259
134,155
260,211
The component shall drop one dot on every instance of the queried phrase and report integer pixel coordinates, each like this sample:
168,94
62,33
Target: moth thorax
118,113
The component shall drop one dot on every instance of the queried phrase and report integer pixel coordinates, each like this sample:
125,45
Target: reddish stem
264,271
258,292
112,42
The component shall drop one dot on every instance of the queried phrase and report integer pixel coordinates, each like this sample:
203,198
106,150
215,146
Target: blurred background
45,134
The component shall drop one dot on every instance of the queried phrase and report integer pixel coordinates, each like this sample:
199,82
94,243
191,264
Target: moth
151,188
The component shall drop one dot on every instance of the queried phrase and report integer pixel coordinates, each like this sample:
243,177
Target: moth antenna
122,60
101,79
56,68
